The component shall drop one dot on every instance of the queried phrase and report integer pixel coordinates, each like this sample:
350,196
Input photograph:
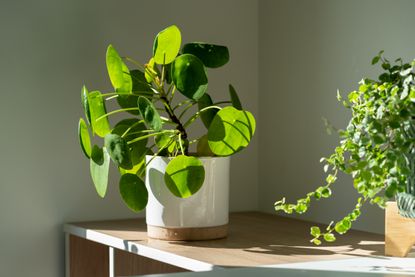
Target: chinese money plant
160,100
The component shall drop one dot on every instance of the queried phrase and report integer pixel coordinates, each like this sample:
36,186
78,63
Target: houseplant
157,98
376,148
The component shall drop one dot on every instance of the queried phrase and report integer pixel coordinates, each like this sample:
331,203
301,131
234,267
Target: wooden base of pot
399,232
187,234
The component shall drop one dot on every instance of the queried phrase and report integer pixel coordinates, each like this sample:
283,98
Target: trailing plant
376,148
158,119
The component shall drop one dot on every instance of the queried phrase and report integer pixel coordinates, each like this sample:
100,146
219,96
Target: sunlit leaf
97,108
167,45
230,131
84,139
184,176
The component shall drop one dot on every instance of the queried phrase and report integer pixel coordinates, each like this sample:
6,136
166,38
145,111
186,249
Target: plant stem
116,111
193,118
149,135
176,120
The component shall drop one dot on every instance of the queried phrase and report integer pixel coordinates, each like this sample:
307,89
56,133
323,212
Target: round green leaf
138,149
118,71
230,131
84,139
184,176
208,115
85,104
211,55
139,87
189,75
118,150
99,167
133,191
167,45
149,113
97,108
236,103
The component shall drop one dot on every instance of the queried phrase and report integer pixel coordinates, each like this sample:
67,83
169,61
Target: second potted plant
183,181
377,148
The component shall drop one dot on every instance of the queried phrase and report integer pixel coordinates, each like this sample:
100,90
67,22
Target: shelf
255,239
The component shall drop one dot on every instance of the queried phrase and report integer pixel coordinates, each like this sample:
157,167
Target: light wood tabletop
254,239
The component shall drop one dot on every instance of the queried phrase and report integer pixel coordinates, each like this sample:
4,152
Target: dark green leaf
85,104
135,128
149,113
189,76
208,115
139,87
133,192
184,176
211,55
203,147
118,150
234,98
99,167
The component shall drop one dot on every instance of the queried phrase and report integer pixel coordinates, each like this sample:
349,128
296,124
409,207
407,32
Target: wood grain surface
399,232
253,239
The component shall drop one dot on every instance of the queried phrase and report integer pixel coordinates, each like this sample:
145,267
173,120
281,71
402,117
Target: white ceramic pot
203,215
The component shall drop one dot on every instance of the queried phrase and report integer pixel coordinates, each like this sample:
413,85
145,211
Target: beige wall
308,50
49,49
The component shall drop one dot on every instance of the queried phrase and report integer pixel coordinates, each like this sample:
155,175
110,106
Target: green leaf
139,86
234,98
184,176
167,45
84,139
326,192
230,131
203,147
97,108
85,104
375,60
99,167
118,71
149,113
189,76
315,231
316,241
133,191
139,148
343,226
138,169
208,115
118,150
211,55
329,237
151,71
166,140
